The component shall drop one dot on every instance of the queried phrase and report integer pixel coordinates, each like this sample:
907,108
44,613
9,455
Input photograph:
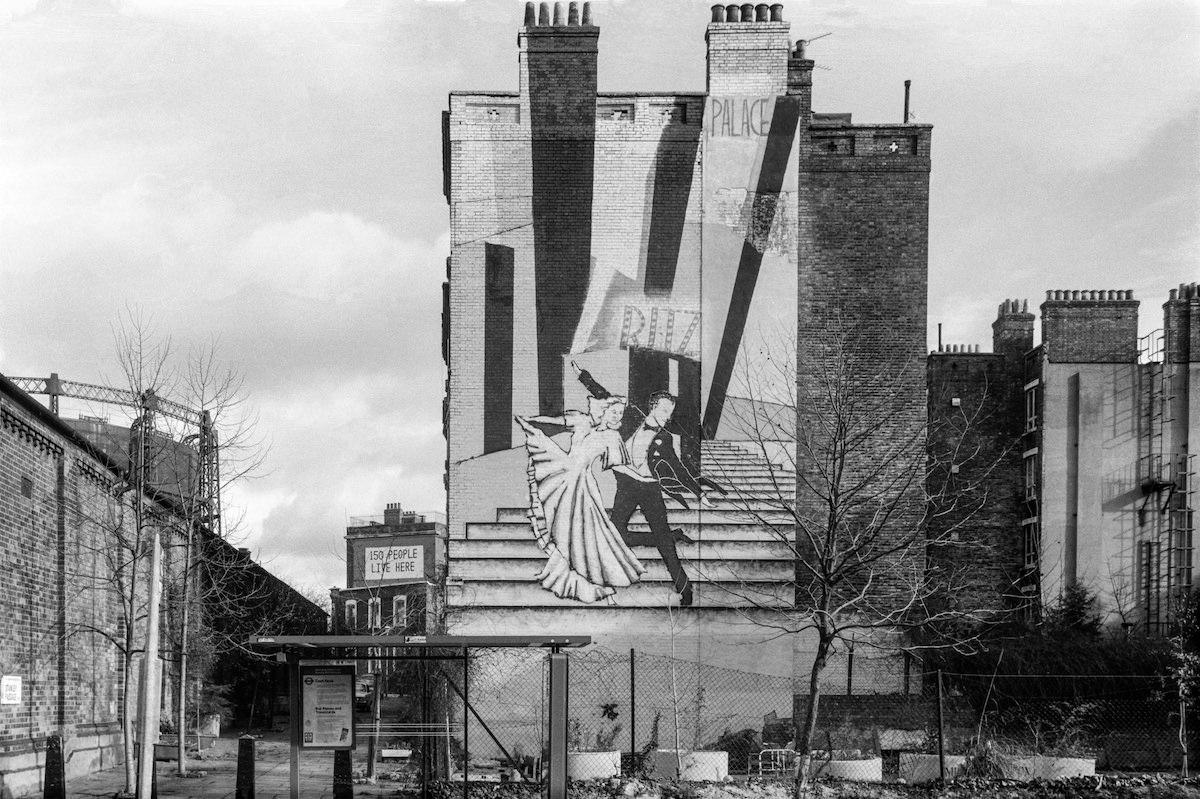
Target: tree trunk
181,676
808,730
127,719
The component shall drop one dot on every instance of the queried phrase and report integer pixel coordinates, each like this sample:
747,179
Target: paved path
219,780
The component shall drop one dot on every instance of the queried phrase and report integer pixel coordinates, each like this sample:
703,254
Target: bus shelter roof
421,641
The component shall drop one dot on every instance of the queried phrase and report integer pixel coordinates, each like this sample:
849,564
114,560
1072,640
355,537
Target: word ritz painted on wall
669,330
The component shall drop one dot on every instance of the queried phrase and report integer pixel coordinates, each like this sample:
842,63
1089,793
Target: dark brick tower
863,277
558,96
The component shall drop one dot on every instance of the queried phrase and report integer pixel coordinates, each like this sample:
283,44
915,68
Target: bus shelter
322,672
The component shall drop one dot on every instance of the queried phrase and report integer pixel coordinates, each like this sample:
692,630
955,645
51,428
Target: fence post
632,710
56,773
245,768
850,671
941,730
1183,732
556,784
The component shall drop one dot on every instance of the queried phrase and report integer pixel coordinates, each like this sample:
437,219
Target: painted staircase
738,555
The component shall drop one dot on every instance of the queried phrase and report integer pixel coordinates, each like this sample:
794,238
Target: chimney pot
530,14
587,12
762,13
1174,294
718,13
733,13
1024,306
544,14
777,12
558,15
747,12
573,13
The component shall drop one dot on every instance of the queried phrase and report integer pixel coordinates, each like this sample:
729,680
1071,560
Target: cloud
327,256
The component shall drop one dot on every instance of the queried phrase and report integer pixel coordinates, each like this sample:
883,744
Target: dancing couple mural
589,551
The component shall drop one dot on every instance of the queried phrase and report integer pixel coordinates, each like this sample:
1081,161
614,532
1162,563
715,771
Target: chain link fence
1124,722
491,711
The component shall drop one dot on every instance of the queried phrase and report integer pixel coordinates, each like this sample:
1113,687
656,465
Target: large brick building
664,241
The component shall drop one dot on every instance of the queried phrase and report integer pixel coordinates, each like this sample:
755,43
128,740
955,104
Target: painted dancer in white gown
587,558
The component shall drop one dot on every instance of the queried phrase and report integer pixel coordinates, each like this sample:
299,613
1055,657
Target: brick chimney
749,50
1090,326
1012,332
1181,324
558,53
392,514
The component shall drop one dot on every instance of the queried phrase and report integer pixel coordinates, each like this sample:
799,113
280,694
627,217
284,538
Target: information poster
326,706
10,690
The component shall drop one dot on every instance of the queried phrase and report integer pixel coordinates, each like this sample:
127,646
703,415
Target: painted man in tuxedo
655,470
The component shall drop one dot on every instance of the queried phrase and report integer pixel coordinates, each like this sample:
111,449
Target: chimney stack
1090,326
1012,332
748,50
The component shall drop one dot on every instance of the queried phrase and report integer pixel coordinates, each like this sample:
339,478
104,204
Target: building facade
1110,464
606,246
1094,481
395,575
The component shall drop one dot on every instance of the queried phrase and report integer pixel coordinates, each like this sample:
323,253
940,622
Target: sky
263,179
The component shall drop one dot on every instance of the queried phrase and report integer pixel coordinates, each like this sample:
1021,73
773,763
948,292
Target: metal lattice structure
148,403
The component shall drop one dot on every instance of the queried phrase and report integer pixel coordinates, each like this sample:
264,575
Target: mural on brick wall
608,473
660,242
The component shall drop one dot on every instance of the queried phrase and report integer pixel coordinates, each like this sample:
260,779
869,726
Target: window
1031,406
351,615
1032,473
374,613
399,611
1031,541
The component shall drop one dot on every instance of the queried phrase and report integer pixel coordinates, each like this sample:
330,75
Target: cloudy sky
268,175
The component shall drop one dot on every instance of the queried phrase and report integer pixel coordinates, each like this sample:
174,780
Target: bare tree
876,518
189,439
221,447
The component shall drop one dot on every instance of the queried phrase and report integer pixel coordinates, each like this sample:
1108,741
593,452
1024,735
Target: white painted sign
394,563
10,690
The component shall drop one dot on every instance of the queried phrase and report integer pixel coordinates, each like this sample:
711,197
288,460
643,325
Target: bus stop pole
557,784
466,725
293,664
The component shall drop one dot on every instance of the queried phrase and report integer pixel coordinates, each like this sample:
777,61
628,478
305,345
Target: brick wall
747,57
57,596
975,478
